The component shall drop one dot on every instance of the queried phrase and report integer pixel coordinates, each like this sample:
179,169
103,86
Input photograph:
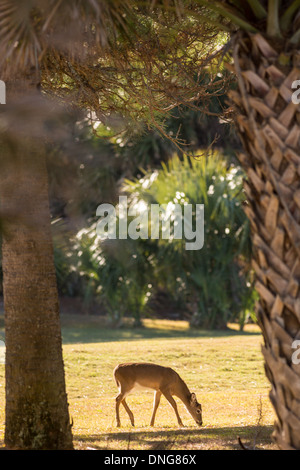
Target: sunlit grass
225,369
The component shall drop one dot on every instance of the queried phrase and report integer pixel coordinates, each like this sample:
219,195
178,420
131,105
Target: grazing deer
164,380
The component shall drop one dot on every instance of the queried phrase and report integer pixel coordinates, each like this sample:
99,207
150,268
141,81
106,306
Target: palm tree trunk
269,125
36,402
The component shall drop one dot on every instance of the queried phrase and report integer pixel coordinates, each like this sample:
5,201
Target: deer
164,380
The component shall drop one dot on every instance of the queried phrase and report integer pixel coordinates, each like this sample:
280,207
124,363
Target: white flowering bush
214,283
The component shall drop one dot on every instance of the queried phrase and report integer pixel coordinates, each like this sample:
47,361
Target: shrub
215,282
214,285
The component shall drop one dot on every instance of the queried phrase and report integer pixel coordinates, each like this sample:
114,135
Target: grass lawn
224,369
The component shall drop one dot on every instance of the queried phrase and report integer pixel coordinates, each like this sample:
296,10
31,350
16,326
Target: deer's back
145,374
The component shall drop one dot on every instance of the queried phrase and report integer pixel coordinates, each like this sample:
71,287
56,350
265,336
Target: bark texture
36,402
268,123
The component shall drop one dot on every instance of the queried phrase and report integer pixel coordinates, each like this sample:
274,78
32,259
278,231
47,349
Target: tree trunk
36,402
269,125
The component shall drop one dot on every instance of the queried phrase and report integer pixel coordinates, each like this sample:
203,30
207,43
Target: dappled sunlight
94,329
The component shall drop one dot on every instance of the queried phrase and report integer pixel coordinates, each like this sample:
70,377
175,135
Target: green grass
224,368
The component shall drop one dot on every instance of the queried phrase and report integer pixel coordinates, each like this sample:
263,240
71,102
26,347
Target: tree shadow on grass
95,332
226,438
93,329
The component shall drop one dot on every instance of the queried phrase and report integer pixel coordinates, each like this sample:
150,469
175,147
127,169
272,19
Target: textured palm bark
37,414
268,123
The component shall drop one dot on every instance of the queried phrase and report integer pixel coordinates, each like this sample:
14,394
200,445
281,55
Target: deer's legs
129,412
157,396
120,398
173,404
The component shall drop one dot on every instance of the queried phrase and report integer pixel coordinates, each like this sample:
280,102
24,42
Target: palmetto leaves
209,274
17,28
28,29
277,18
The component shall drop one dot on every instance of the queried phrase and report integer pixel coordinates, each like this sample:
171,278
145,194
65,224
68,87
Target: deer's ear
193,398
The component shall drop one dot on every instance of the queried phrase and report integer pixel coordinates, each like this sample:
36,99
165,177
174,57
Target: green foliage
214,281
276,18
213,285
116,272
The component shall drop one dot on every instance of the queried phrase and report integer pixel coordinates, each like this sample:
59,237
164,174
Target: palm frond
28,29
273,27
18,32
258,9
288,15
227,11
273,17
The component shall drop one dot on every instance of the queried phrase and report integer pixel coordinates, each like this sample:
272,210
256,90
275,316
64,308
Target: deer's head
195,409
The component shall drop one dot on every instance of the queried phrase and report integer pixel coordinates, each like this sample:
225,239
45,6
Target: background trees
209,287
